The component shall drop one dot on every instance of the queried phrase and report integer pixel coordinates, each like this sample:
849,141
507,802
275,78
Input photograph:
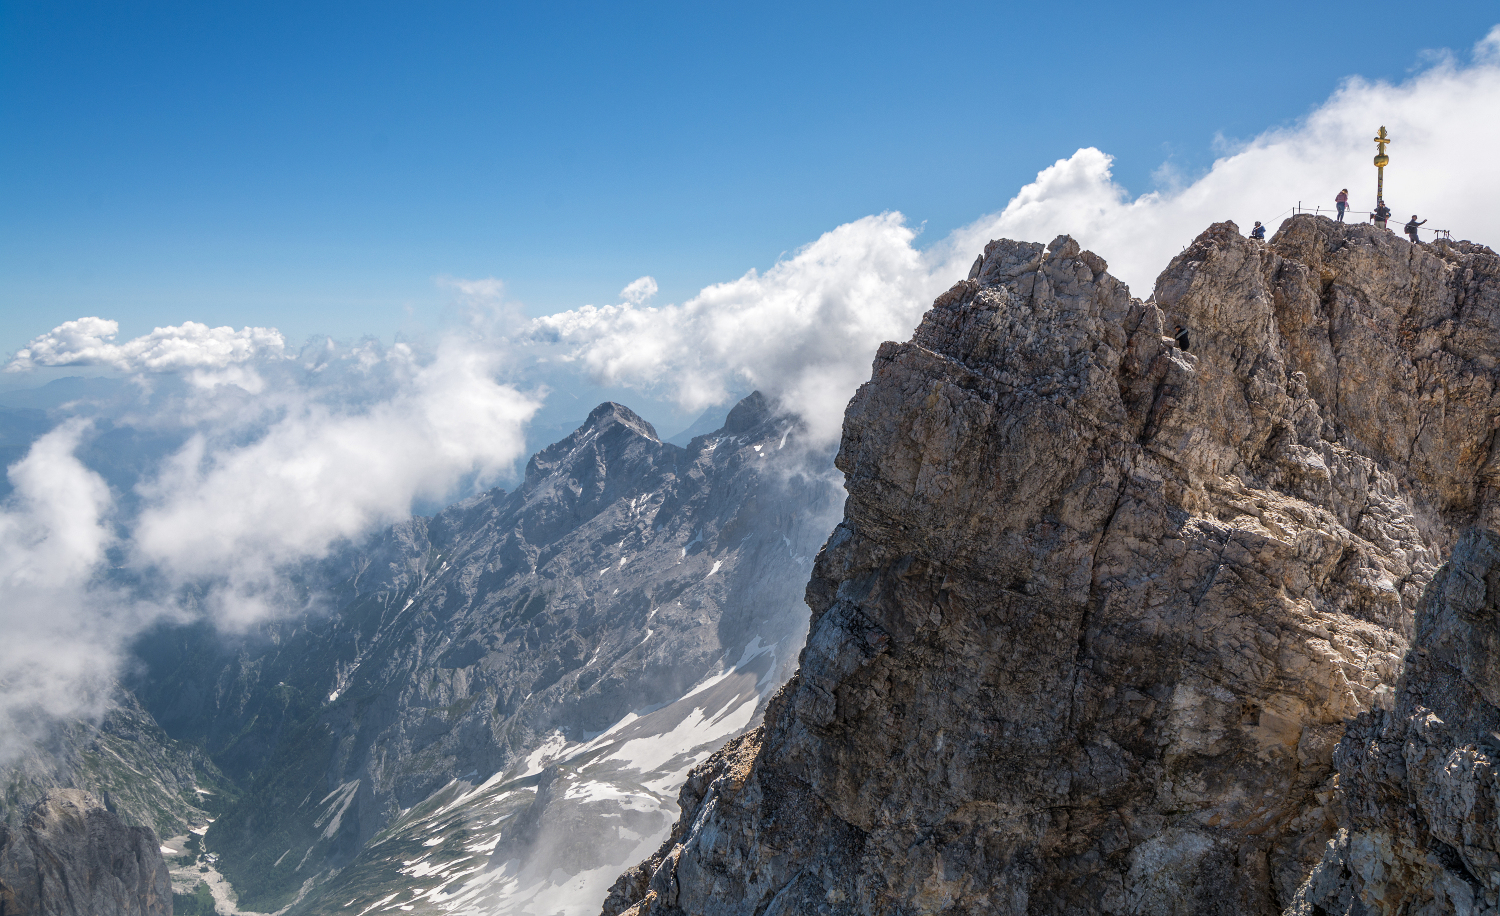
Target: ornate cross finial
1381,213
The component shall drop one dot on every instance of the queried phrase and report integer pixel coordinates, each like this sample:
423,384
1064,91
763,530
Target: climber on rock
1411,228
1180,334
1342,202
1259,232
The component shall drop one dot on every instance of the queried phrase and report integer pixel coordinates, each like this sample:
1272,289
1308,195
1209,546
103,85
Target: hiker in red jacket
1343,203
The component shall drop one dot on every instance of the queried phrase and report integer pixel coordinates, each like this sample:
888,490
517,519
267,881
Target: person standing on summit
1342,201
1411,228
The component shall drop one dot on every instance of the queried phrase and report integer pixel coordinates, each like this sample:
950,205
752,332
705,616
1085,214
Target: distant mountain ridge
505,635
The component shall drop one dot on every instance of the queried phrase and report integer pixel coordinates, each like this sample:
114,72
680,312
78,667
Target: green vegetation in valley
199,903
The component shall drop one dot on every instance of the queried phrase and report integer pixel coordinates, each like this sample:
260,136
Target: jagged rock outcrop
1419,784
1100,609
74,857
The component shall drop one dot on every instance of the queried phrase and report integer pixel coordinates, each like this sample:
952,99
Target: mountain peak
610,413
753,410
1089,577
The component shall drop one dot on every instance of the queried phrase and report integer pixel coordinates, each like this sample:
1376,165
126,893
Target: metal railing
1298,209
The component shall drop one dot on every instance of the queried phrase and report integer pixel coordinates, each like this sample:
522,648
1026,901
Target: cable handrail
1297,209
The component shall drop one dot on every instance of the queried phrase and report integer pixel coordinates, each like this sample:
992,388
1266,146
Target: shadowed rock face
578,621
1100,609
1419,798
74,857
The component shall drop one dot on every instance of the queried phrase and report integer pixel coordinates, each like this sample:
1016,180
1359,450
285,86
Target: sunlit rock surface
1100,610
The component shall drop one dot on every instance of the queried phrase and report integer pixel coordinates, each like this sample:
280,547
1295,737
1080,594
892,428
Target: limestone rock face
75,857
1419,791
150,779
1100,609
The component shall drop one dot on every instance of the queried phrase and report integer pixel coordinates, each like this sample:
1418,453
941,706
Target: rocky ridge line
1100,609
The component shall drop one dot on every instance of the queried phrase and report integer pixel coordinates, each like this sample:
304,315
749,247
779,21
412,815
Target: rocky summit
1111,625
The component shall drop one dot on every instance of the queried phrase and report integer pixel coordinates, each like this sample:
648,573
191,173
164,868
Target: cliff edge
1101,609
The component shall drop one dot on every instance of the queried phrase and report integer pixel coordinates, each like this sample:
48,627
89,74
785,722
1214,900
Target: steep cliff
1100,608
74,857
1419,784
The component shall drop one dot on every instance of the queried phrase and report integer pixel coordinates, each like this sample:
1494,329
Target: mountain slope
617,616
150,779
1100,609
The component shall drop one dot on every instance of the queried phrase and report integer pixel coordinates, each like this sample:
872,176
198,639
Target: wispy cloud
323,473
325,447
639,290
63,624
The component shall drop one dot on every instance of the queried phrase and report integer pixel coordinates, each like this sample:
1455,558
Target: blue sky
315,167
220,169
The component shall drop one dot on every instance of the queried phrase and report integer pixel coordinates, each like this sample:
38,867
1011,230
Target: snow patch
342,797
549,751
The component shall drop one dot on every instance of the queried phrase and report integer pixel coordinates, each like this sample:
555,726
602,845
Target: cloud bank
806,329
289,454
189,346
285,459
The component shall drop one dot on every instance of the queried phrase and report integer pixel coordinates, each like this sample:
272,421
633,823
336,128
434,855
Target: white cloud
61,628
639,290
328,448
806,330
1439,128
326,471
189,346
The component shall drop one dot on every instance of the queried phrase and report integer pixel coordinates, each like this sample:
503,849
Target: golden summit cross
1381,161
